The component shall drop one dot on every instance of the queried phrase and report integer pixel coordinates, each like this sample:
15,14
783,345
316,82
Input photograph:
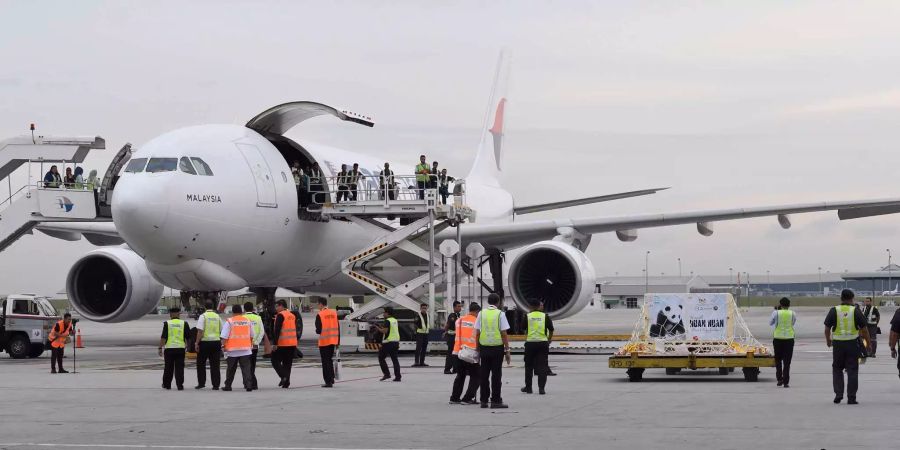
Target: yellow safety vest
784,327
175,333
537,327
393,331
212,326
424,328
421,176
490,328
257,324
845,327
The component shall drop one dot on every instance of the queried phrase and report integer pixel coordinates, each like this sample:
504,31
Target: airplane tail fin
487,166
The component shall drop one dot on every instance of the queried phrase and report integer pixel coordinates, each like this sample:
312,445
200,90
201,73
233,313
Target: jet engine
556,273
112,285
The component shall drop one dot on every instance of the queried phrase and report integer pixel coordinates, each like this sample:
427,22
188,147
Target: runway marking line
187,447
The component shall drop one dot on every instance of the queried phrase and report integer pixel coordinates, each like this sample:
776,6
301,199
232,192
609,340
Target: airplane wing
519,210
515,234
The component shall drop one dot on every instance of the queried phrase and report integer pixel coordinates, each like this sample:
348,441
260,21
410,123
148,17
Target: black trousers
444,194
421,348
209,351
784,352
353,192
231,364
450,362
56,358
327,355
873,336
343,193
536,354
174,366
283,361
491,373
420,189
465,370
389,349
846,357
253,357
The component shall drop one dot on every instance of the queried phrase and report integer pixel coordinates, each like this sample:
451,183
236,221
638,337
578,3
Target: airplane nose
139,208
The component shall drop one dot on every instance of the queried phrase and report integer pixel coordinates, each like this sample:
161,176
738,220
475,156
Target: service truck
25,324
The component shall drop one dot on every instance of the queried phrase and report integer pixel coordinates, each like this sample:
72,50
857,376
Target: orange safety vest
288,336
465,333
239,334
58,340
330,334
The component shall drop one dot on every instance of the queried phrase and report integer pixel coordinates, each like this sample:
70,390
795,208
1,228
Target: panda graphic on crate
668,321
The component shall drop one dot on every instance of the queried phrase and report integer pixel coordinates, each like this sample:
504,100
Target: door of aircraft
262,175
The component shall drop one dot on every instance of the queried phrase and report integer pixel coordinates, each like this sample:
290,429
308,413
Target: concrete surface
116,402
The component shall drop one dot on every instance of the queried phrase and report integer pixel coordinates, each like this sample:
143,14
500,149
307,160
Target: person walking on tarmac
844,324
493,346
208,346
422,327
174,338
423,174
59,337
465,337
537,346
450,361
259,337
390,345
783,321
873,317
329,339
237,334
895,337
285,343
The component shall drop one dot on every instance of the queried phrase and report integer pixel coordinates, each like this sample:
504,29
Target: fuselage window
136,165
202,167
162,165
185,165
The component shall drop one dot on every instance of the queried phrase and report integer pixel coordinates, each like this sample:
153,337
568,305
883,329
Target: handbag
469,355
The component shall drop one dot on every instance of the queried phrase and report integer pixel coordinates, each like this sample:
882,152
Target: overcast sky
729,103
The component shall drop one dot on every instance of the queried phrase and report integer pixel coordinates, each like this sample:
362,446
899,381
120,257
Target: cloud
886,99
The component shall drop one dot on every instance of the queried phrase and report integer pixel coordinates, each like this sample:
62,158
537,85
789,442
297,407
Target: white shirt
504,324
773,321
226,331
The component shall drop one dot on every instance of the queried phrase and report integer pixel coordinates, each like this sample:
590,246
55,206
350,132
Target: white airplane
214,207
894,292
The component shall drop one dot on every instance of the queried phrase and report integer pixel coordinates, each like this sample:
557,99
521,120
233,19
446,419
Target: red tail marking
498,118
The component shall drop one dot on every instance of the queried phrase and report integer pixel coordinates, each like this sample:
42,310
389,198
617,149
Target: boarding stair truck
25,324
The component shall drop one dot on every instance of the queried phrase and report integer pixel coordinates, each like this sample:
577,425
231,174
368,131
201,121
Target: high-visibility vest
423,328
175,333
353,177
423,172
490,328
343,178
465,333
784,328
257,323
845,327
387,178
58,339
239,334
288,336
537,327
330,334
212,326
870,318
393,331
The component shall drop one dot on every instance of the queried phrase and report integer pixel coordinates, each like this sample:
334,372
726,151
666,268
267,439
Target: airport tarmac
115,401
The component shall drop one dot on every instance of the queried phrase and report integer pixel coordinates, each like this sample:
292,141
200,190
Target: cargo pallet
637,363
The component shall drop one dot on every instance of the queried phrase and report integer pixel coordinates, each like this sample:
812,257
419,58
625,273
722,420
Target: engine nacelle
112,285
556,273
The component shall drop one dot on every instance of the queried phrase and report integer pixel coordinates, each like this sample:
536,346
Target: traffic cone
78,342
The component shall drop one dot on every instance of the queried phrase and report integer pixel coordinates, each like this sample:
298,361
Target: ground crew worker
343,184
259,337
422,327
844,324
285,343
894,337
783,321
423,173
390,345
316,184
208,346
444,185
329,339
537,347
59,337
386,183
433,176
465,337
873,317
493,345
174,338
237,336
354,177
450,336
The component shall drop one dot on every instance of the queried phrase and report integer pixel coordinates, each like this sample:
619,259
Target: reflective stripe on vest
784,328
175,333
845,327
490,328
330,332
393,331
239,334
422,320
212,326
288,336
257,324
537,327
58,340
465,333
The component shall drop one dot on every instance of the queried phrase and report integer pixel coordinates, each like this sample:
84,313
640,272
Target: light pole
889,270
731,276
679,267
820,281
646,273
768,282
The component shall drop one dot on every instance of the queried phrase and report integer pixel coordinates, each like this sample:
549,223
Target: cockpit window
202,168
162,165
185,165
136,165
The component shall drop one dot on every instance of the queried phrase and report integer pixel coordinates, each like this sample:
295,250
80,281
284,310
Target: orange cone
78,342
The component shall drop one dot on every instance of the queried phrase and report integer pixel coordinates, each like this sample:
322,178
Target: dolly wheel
635,375
751,374
724,371
672,371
